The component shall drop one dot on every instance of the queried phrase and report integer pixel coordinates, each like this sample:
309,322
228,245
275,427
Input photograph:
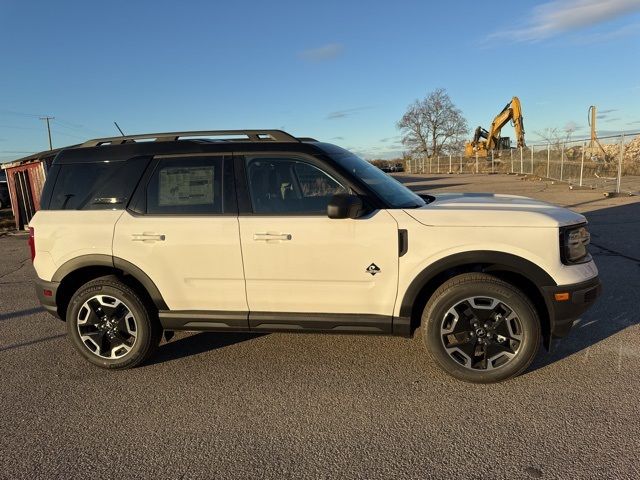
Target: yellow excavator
484,141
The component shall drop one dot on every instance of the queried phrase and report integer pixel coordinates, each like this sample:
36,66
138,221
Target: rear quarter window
96,186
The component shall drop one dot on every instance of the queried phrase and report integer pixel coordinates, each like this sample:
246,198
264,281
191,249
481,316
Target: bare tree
431,124
557,137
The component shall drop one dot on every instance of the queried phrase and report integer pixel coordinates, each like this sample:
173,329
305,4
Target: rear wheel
481,329
110,325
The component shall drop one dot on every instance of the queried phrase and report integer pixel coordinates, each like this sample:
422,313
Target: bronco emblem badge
373,269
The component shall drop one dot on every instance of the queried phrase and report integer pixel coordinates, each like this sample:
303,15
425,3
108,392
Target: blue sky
341,71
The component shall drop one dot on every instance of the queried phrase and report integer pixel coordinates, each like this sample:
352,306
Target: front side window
289,186
186,186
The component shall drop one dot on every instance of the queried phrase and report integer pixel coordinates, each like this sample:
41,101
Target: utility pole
47,118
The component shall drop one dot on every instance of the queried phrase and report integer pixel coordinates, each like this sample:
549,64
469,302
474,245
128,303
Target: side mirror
344,205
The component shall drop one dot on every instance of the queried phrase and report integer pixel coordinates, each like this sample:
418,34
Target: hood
492,210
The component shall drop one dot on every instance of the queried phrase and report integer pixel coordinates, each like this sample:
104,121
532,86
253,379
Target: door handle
271,236
147,237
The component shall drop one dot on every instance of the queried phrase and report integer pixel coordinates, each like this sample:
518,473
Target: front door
304,270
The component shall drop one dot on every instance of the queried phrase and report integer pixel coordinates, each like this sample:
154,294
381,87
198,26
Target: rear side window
186,186
96,186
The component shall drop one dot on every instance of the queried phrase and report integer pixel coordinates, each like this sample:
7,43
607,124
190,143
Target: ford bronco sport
259,231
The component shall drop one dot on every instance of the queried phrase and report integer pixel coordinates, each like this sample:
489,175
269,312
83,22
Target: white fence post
533,147
584,146
521,161
460,164
548,158
620,164
450,169
477,162
492,165
511,154
561,161
438,164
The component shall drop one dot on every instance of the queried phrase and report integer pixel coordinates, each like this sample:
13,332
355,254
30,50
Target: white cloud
601,37
377,153
559,16
345,113
325,52
571,126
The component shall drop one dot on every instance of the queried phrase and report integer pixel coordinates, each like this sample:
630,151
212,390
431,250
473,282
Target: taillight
32,243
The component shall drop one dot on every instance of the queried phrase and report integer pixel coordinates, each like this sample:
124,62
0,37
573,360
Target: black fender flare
101,260
495,260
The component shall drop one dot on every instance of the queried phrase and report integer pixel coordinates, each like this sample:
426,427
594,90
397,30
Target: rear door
182,231
304,270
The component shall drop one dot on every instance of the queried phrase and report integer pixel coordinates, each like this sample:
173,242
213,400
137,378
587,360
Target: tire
110,324
481,329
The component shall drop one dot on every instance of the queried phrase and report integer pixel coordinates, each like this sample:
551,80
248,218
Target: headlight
573,244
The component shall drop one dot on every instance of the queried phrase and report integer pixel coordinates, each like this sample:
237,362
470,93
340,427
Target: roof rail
252,136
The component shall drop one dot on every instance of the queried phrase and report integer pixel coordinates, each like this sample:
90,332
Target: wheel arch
522,273
76,272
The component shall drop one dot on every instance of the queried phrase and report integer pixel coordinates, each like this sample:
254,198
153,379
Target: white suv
260,231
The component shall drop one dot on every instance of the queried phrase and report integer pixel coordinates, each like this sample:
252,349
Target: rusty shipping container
25,179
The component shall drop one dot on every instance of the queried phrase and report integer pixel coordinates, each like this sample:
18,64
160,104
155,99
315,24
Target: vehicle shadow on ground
13,346
199,343
619,271
20,313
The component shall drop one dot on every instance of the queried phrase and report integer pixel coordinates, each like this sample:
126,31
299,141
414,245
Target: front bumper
46,292
563,313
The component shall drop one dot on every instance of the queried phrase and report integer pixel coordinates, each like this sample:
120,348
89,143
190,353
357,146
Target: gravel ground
339,406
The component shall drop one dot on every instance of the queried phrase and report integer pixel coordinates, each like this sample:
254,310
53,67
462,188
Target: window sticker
182,186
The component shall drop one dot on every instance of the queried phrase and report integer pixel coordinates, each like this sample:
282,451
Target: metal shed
25,179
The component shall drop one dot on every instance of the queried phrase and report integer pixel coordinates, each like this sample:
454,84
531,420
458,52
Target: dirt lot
310,406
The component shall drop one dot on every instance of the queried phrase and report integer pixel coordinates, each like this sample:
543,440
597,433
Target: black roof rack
252,136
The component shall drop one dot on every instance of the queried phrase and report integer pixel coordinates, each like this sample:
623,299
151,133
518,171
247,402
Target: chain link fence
611,164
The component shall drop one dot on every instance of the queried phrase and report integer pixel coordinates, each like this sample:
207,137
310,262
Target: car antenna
119,129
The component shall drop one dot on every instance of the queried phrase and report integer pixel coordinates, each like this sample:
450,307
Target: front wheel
481,329
110,325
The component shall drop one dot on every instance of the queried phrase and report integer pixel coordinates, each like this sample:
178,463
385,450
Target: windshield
387,188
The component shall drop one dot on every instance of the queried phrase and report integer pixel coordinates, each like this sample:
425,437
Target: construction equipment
485,141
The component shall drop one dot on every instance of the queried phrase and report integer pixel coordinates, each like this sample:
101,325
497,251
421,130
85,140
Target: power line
18,127
21,114
65,134
59,121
